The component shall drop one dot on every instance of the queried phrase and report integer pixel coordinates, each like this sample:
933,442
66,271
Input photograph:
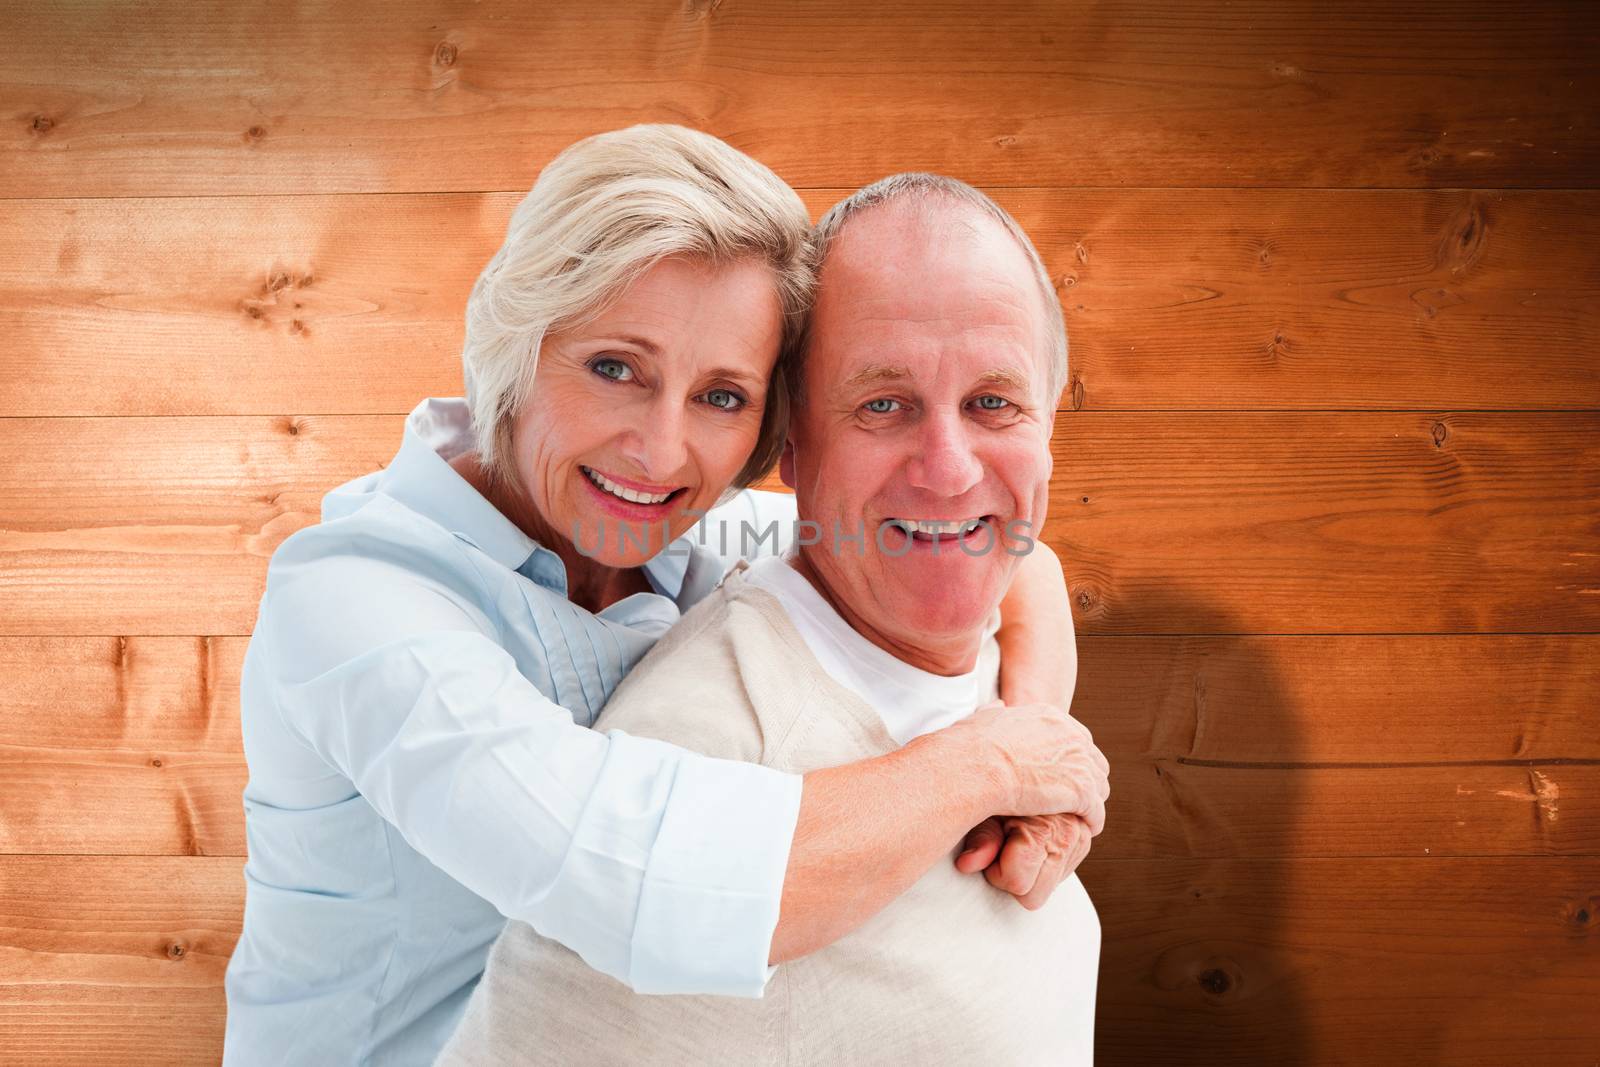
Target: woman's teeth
630,495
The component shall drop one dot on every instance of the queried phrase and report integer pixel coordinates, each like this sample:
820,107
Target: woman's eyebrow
754,381
648,346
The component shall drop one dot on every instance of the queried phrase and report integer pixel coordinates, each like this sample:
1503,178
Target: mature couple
808,770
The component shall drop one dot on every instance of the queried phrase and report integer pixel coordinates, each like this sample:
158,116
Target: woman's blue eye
726,399
998,402
881,406
614,369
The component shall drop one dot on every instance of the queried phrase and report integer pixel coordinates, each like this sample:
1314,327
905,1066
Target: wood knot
1440,433
279,280
1005,142
156,762
1086,599
1464,239
42,124
1077,394
445,54
1215,981
177,950
1085,500
291,427
1081,252
255,133
1067,281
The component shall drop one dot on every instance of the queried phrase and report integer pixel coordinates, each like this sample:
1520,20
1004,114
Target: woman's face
645,413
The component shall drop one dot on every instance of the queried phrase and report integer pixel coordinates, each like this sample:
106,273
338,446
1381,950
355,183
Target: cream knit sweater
953,972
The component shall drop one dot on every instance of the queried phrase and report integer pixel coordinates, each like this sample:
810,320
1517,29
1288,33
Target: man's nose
659,445
945,464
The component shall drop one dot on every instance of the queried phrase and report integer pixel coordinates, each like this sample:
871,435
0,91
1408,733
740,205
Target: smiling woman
417,693
674,373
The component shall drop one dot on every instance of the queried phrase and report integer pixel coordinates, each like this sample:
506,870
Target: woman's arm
868,830
1029,857
1038,647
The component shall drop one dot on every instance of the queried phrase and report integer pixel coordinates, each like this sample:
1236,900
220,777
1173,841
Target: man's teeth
626,494
938,527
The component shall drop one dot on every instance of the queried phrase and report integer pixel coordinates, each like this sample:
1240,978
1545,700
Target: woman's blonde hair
598,216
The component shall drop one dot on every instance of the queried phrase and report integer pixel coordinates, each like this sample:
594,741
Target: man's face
925,402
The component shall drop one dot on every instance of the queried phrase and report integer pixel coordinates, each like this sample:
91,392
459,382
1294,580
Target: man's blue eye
614,369
881,406
991,402
726,399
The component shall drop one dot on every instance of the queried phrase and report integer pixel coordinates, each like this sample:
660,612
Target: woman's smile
629,500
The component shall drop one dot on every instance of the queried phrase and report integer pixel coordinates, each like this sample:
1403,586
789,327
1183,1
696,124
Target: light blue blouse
415,701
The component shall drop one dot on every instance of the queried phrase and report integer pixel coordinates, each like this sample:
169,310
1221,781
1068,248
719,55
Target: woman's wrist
965,756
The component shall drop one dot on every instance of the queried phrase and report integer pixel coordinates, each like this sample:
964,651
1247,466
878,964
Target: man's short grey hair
921,186
599,215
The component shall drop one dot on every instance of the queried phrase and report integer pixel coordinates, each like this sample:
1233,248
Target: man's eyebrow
876,374
1008,379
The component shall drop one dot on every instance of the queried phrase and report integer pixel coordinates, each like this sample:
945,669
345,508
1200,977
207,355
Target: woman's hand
1029,855
1046,761
1026,855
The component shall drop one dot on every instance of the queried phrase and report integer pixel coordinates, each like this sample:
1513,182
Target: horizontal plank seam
1339,765
1440,409
1557,857
1168,635
846,187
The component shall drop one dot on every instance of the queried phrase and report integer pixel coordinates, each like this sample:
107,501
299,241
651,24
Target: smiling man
919,455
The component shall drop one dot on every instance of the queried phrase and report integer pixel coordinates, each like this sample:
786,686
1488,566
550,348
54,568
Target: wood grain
1232,747
115,961
137,526
199,99
1326,523
1472,963
1311,700
1191,299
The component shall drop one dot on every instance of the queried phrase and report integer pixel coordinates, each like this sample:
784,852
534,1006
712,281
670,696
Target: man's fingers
981,846
1094,813
1021,859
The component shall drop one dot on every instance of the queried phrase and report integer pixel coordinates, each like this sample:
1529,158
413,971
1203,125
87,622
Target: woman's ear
786,464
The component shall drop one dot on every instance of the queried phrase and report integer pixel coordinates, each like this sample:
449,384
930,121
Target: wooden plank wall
1327,485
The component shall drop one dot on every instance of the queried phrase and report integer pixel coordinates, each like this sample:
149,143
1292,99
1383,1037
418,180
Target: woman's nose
658,444
945,463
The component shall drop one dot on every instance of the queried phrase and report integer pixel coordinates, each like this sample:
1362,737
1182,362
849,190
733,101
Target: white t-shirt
911,701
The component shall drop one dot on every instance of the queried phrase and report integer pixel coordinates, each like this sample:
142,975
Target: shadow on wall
1192,876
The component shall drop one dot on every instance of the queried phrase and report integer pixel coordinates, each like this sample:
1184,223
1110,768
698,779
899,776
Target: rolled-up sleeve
660,867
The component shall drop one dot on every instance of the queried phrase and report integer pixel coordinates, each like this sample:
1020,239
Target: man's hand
1027,856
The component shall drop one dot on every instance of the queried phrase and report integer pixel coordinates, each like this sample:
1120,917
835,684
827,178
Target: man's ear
786,465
